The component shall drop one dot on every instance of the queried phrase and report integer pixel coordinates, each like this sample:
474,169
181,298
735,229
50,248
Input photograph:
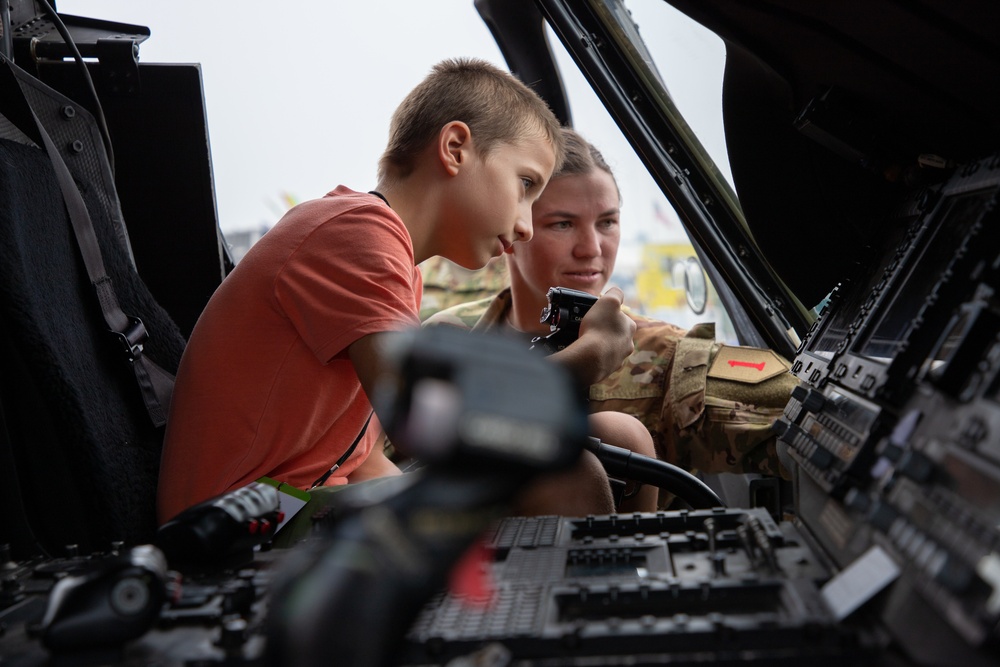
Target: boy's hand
605,340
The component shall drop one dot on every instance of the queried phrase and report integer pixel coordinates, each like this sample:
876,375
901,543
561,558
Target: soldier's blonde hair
581,157
497,107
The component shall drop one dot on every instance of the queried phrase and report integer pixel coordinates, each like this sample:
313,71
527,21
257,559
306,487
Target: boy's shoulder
341,223
345,198
338,203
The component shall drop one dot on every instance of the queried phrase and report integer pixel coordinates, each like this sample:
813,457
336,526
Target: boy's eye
527,183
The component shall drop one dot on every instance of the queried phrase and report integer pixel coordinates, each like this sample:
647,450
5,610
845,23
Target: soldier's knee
622,430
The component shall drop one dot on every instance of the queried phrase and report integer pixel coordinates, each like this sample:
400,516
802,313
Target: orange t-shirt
265,386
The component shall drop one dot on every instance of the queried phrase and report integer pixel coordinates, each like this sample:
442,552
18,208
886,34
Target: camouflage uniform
447,284
701,414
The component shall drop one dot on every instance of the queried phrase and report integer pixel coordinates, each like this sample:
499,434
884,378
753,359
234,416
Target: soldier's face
576,236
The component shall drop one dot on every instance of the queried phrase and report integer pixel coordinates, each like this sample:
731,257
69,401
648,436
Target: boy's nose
523,230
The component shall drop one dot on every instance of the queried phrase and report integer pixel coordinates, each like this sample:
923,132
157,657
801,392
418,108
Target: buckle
132,338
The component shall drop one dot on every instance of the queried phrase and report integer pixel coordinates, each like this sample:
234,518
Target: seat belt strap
155,383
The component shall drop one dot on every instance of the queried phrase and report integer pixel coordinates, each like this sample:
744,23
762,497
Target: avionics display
956,216
845,312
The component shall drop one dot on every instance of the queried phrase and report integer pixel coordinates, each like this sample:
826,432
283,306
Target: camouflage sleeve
702,401
447,284
463,316
723,401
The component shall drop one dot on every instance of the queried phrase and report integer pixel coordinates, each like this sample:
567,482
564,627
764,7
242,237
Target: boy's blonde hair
497,107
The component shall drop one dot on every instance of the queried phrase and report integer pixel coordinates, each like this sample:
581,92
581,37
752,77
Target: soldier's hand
611,329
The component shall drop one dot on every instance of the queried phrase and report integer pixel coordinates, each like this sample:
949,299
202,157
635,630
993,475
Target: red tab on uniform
746,364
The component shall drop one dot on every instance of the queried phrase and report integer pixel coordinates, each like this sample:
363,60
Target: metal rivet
77,146
68,111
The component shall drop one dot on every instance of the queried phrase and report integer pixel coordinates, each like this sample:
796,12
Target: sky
299,93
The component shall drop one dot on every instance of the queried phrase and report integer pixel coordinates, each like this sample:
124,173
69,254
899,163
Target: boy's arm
604,343
376,465
368,356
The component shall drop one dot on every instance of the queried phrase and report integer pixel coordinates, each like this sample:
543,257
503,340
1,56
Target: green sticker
285,488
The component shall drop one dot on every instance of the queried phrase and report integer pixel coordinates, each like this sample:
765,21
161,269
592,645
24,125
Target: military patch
746,364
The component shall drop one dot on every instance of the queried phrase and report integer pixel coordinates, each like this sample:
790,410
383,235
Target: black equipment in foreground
381,561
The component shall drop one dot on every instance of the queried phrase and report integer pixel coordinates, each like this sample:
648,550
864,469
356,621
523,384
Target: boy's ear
454,146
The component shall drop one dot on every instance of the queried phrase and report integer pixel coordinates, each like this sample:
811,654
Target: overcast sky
299,92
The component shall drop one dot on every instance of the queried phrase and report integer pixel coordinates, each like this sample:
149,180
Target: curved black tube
630,465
